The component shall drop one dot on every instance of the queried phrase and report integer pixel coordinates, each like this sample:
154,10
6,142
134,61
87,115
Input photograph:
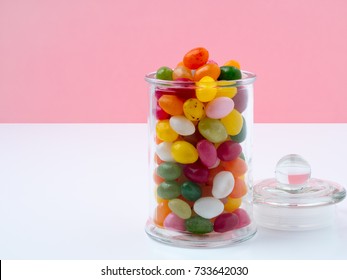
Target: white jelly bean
182,125
208,207
163,151
219,107
223,184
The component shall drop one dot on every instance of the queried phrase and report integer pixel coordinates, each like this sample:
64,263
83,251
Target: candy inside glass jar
200,121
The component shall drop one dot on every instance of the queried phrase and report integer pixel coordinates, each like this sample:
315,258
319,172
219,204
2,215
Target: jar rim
248,78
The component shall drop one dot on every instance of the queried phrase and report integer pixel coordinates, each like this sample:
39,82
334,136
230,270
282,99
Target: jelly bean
212,70
229,73
182,125
207,153
242,134
193,109
241,99
163,151
219,107
213,130
226,222
244,219
242,156
171,104
233,122
169,170
164,73
237,166
208,207
232,204
182,91
190,191
182,72
160,114
180,208
198,225
169,190
206,89
161,212
172,221
240,188
228,150
223,184
165,132
196,172
195,58
232,63
226,89
184,152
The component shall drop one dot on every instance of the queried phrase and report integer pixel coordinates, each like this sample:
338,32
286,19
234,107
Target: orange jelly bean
171,104
212,70
157,179
195,58
182,72
240,189
237,166
161,212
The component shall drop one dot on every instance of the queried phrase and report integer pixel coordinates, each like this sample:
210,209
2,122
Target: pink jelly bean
196,172
241,99
219,107
244,219
207,153
172,221
229,150
226,222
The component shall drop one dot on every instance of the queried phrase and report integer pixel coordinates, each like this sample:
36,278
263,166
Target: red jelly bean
196,172
226,222
207,153
244,219
195,58
229,150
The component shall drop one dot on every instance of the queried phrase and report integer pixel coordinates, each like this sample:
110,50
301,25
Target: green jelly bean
169,190
213,130
169,171
190,191
180,208
229,73
199,225
242,134
164,73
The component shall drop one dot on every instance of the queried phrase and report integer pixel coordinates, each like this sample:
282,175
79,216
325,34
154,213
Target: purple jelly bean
196,172
241,99
229,150
226,222
207,153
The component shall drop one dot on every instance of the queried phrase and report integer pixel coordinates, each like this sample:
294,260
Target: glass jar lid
293,200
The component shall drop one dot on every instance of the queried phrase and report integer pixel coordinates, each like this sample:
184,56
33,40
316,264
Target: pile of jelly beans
199,163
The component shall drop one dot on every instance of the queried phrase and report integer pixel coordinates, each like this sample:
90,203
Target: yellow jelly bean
165,132
184,152
233,122
232,204
206,89
193,109
232,63
225,89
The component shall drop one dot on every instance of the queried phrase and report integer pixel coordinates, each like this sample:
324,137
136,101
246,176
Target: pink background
84,60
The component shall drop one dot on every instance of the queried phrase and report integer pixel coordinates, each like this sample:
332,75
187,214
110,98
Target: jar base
211,240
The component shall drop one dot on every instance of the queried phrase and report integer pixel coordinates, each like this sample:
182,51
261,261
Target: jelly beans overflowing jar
200,123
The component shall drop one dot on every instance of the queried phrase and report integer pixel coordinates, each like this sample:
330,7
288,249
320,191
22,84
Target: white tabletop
78,191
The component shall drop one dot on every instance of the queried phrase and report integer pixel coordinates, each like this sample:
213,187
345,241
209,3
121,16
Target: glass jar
200,161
